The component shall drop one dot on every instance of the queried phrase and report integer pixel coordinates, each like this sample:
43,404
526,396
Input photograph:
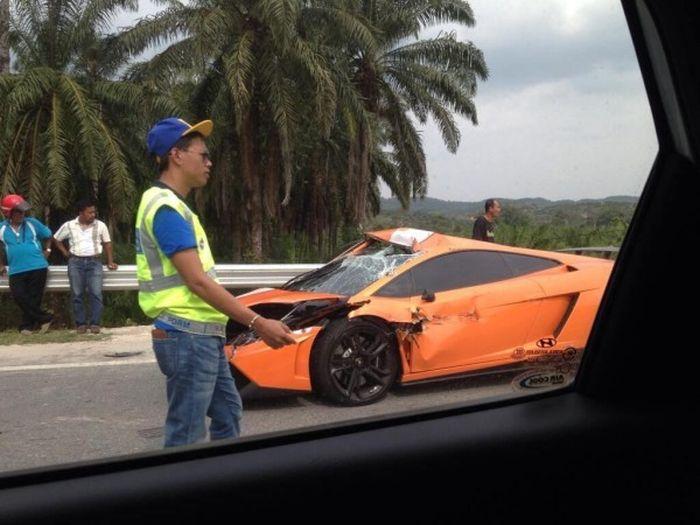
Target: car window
450,272
460,270
401,286
434,128
524,264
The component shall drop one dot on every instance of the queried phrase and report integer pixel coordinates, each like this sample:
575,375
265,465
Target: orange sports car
407,305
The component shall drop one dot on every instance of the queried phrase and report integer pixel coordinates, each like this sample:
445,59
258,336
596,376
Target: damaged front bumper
256,365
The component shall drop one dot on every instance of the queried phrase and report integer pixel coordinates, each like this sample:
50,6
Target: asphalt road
82,408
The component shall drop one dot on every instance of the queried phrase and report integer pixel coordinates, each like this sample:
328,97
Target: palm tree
258,74
403,79
316,100
63,126
386,83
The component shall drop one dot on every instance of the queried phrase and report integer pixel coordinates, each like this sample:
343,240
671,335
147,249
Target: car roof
433,243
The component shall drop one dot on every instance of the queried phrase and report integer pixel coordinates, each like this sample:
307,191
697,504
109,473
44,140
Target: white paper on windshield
407,236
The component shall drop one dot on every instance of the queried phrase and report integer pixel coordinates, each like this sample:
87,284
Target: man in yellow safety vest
178,288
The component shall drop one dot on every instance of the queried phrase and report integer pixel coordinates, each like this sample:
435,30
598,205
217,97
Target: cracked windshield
226,219
353,272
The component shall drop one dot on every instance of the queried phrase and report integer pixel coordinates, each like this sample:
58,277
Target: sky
563,115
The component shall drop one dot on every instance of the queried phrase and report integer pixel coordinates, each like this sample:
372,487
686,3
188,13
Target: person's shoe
95,329
45,327
25,331
81,329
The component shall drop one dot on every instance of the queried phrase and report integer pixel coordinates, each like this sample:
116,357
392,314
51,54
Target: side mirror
428,296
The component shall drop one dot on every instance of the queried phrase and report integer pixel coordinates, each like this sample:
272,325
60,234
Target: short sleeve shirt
483,230
172,232
24,247
84,241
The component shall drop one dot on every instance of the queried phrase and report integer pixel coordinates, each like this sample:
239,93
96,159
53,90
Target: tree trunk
351,181
364,179
272,177
4,34
359,175
251,183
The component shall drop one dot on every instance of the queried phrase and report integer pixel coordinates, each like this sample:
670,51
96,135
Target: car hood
276,295
296,309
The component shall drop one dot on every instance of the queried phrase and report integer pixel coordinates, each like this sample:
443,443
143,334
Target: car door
480,314
570,299
560,293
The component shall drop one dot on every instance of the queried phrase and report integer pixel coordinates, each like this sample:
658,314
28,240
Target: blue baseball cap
165,133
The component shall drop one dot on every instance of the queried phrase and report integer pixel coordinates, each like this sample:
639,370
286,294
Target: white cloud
564,113
549,140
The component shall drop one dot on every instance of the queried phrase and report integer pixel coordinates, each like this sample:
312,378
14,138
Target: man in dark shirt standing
484,226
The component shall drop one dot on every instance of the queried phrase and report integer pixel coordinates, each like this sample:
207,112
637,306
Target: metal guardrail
239,276
230,276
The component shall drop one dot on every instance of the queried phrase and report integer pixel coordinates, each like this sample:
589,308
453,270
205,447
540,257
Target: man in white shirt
87,237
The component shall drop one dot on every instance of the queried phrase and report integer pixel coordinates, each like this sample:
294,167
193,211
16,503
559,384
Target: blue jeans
199,384
86,272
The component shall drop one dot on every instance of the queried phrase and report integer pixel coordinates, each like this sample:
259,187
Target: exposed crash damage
408,306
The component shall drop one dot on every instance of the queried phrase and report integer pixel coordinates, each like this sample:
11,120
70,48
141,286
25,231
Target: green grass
13,337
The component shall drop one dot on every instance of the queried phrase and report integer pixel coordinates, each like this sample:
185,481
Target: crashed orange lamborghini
406,306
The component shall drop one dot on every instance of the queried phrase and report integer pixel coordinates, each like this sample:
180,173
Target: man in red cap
26,241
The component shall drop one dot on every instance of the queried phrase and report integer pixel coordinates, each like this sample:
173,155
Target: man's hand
275,333
3,269
112,265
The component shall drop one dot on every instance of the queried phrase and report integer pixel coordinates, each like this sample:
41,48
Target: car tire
354,362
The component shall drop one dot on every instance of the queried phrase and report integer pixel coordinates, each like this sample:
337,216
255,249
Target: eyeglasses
205,155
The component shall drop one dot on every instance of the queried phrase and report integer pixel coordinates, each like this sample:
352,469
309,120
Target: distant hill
533,222
454,216
533,206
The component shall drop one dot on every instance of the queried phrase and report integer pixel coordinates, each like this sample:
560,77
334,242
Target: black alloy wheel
355,362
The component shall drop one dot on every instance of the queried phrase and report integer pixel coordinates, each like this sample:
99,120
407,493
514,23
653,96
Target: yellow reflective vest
162,292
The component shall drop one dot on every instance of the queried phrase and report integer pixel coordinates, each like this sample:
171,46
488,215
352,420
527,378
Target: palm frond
58,174
351,28
84,114
239,67
166,66
281,105
15,153
422,103
36,182
388,171
444,52
30,89
158,30
325,94
441,85
120,185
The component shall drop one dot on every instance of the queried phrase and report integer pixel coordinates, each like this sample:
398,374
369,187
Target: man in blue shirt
189,344
26,241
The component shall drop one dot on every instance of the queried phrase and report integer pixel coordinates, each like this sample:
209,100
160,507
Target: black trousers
27,289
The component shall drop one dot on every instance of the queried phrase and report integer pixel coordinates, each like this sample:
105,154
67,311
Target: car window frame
71,477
